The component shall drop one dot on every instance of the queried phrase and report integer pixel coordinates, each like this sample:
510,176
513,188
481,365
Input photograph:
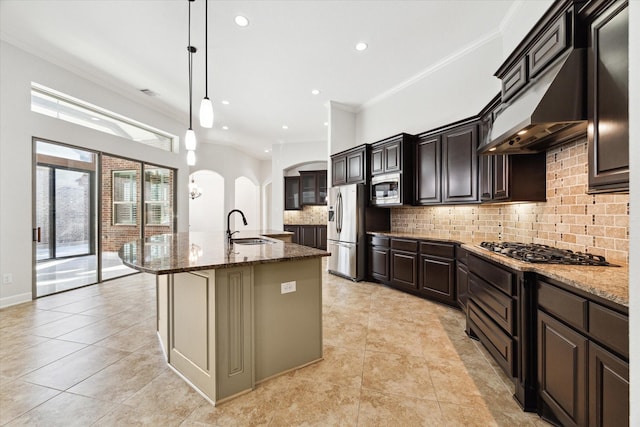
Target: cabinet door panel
392,157
403,269
339,170
292,193
462,285
355,167
379,263
562,370
321,237
608,94
308,235
500,177
377,165
460,165
308,187
486,177
608,389
436,278
428,171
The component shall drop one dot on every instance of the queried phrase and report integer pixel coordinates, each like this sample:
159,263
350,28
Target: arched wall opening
206,213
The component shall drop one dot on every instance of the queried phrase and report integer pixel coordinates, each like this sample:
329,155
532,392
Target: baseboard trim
15,299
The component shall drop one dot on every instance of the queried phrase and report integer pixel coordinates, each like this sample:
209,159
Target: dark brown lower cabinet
404,266
462,278
437,271
562,371
314,236
608,388
379,263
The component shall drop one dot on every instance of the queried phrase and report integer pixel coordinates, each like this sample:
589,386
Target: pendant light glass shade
191,158
190,140
206,113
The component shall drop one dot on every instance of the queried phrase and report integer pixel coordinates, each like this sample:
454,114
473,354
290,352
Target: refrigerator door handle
339,214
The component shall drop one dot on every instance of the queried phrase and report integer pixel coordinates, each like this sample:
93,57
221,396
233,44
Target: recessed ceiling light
522,132
266,150
315,92
225,127
241,21
326,123
95,118
361,46
225,102
285,127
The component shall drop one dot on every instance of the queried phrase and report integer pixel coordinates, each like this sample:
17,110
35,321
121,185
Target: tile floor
91,357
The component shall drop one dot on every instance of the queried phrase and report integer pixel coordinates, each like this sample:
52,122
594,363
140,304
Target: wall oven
386,189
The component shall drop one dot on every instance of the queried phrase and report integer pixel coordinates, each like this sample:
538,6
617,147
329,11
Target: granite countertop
608,283
181,252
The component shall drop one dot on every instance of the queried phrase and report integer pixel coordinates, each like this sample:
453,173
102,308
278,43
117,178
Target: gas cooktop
537,253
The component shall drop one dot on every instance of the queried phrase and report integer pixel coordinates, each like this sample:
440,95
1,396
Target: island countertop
193,251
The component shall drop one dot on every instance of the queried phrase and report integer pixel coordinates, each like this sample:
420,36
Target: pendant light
191,158
190,137
206,106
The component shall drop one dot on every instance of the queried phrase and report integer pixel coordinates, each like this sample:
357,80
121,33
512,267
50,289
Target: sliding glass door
64,218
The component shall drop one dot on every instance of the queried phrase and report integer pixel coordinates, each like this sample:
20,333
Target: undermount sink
252,241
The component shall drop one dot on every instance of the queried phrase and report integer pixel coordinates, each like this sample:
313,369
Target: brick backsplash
309,215
570,219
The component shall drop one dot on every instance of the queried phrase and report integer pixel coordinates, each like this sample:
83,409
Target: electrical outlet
7,279
287,287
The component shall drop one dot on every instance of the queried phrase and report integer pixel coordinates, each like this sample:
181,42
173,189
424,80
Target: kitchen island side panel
288,326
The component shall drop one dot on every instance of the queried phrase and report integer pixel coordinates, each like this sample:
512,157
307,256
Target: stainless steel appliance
386,189
346,231
544,254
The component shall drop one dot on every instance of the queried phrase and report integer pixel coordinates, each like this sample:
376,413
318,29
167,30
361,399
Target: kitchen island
232,315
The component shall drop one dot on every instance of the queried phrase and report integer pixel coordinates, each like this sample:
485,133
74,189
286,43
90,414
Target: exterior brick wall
570,219
114,236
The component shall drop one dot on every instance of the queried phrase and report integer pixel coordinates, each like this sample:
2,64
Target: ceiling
266,70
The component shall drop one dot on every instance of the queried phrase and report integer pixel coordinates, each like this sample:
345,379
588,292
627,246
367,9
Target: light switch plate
287,287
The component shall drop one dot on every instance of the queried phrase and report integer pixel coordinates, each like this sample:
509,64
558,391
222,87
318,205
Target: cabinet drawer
498,306
610,328
405,245
514,79
444,250
499,344
547,48
501,279
563,305
379,241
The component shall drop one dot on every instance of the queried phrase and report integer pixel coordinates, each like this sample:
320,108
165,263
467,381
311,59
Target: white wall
247,199
285,156
634,226
457,90
206,213
232,164
17,127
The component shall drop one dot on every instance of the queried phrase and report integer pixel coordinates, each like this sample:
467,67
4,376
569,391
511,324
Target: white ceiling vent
148,92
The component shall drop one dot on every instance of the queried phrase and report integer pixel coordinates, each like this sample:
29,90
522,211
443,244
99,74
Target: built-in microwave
386,189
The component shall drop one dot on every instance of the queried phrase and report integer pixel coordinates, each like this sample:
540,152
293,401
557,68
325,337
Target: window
64,107
125,197
157,194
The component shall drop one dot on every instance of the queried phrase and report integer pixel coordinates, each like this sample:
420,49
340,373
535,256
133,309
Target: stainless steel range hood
550,111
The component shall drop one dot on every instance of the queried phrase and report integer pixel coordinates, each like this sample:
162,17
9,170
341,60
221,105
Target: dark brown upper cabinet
392,155
428,189
460,164
608,96
292,193
513,178
447,165
313,187
350,166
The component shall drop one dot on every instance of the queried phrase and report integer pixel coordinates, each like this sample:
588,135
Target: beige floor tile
124,415
63,326
340,333
19,320
341,366
168,394
252,409
64,410
17,343
35,357
123,379
311,403
133,338
378,409
398,375
18,397
395,339
74,368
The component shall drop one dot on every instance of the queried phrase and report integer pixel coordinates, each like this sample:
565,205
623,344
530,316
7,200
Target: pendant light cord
191,50
206,48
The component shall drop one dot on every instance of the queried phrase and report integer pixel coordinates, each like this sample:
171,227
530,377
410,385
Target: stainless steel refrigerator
346,231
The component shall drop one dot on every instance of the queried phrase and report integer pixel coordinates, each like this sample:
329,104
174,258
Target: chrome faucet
229,233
